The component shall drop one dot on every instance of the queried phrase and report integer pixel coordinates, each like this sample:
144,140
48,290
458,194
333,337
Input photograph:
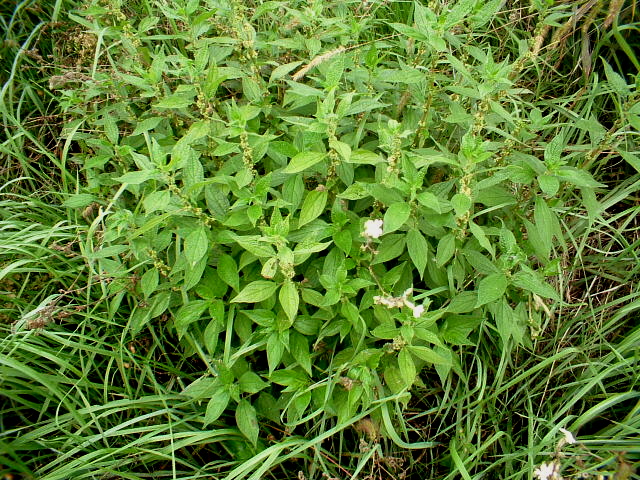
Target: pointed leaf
247,421
396,216
407,367
304,160
418,250
249,382
289,299
312,206
196,245
428,355
216,406
256,291
228,271
445,250
188,314
531,282
484,242
491,288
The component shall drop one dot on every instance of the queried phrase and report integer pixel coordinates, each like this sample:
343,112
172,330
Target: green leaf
282,70
228,271
292,379
254,244
299,347
275,350
334,72
461,203
158,200
256,291
189,313
355,191
79,200
549,184
149,282
104,252
553,150
146,125
202,387
247,421
428,355
631,158
423,333
429,200
418,250
396,216
159,303
196,245
407,367
508,323
445,250
479,262
364,157
485,14
579,178
270,268
181,98
491,288
343,149
459,11
463,302
545,225
364,105
385,331
409,31
392,246
529,281
193,273
136,178
343,241
616,81
217,405
393,379
193,176
312,206
289,299
304,160
249,382
479,234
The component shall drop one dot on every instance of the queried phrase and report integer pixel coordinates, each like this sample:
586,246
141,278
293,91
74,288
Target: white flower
372,229
389,302
418,310
399,302
547,471
568,436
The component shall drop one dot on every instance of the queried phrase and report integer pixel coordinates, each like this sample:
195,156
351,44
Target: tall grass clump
319,240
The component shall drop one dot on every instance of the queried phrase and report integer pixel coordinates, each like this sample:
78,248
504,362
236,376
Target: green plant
287,225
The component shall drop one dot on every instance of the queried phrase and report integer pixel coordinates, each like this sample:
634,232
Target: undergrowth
319,240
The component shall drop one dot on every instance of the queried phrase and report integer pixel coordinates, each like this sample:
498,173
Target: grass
185,288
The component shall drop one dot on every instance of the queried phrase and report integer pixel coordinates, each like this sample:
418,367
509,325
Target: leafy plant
294,218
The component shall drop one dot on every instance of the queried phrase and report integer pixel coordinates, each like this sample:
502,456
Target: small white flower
568,436
547,471
372,229
389,302
418,310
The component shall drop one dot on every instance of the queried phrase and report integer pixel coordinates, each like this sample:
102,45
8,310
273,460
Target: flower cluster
372,229
548,471
551,470
399,302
